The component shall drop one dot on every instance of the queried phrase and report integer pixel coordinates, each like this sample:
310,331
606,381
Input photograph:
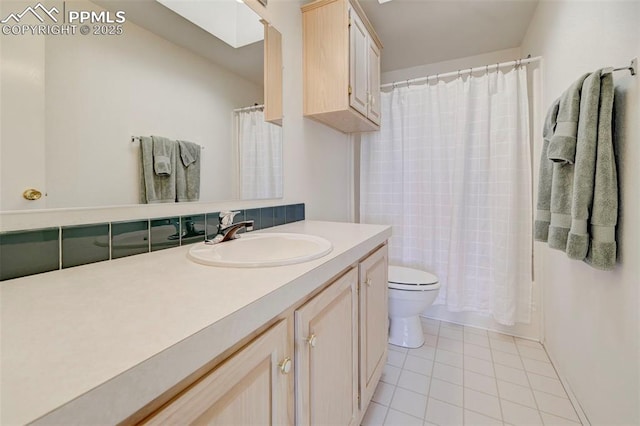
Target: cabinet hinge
350,90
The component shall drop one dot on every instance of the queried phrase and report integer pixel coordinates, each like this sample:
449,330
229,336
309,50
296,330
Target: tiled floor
468,376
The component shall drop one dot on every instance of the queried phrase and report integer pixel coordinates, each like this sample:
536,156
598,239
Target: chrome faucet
227,229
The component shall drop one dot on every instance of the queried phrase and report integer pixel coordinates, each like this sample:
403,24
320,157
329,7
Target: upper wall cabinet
341,66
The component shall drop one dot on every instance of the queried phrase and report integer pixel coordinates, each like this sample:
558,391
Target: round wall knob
368,282
32,194
285,365
312,340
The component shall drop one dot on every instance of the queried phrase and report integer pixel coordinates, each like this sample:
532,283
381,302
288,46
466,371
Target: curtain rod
250,108
460,72
633,68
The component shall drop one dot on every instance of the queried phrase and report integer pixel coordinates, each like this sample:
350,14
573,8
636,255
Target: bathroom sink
258,250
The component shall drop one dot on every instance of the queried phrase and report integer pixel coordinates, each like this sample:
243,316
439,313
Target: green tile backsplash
31,252
165,233
84,244
129,238
193,229
279,217
254,215
266,217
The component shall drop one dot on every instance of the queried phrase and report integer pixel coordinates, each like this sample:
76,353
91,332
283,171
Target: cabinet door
374,83
374,328
272,74
249,388
326,356
358,49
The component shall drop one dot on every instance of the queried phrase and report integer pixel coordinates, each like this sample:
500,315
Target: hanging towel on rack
585,163
604,213
543,206
188,172
562,146
155,188
562,154
163,150
581,200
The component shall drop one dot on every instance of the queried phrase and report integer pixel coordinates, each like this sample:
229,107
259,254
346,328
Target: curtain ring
486,69
393,85
458,73
497,67
408,84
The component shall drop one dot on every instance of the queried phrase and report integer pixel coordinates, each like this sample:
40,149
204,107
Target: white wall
533,329
101,90
317,160
591,322
318,164
22,100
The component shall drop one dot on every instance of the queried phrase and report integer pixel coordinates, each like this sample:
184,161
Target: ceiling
245,61
418,32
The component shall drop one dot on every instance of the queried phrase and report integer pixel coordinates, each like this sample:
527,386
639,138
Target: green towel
188,172
562,153
163,151
543,205
578,193
562,146
154,188
604,213
585,162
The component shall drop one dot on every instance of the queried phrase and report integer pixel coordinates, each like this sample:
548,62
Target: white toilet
411,291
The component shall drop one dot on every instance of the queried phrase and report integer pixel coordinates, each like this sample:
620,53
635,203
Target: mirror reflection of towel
163,150
154,188
188,172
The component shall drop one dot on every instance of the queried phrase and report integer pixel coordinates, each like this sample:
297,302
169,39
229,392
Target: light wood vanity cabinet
326,355
249,388
374,322
341,59
334,344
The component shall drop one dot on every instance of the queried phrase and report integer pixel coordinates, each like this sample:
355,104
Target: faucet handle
226,217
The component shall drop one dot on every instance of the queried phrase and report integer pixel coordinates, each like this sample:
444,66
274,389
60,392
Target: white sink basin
258,250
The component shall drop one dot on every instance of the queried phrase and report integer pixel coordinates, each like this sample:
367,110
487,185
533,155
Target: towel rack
138,138
633,68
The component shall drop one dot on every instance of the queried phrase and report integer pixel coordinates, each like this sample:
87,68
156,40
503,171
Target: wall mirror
71,103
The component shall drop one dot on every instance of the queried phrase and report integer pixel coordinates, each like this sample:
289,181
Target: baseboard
483,328
567,388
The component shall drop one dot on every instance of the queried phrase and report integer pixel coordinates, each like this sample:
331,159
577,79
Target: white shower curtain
450,170
260,150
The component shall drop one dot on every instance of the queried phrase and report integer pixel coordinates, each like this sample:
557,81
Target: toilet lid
402,278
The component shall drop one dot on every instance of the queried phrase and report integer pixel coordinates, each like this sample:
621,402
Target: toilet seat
409,279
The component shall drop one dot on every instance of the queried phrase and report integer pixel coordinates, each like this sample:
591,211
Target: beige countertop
95,343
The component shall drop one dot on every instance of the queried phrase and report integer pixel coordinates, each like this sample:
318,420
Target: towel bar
633,68
137,139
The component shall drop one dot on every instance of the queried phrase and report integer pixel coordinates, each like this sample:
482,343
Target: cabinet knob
285,365
312,340
32,194
368,282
